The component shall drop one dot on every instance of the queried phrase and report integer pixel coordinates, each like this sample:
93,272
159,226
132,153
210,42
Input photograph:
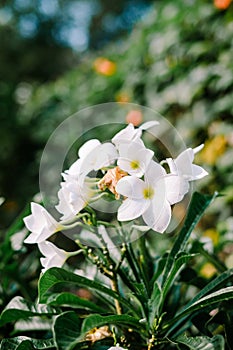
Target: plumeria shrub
116,289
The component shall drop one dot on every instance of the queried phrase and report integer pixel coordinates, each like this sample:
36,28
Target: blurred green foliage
178,61
39,41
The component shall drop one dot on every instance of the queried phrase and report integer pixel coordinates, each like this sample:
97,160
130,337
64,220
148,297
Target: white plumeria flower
73,196
134,158
53,256
130,133
77,189
41,224
116,348
182,165
127,135
152,198
94,155
2,200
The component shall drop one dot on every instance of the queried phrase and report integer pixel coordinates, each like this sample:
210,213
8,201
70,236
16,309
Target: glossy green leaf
216,284
72,300
19,308
205,302
181,259
58,276
154,303
26,343
160,264
202,343
66,330
35,323
197,207
93,321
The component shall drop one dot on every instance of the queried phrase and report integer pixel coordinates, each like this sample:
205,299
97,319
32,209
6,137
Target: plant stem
114,286
144,262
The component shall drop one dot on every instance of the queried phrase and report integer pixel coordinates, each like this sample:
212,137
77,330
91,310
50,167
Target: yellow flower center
135,164
148,193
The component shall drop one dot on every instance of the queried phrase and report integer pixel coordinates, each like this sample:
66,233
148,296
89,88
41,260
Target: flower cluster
123,169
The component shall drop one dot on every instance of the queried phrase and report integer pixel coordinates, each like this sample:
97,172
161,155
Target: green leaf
202,343
19,308
154,303
215,284
56,276
160,264
26,343
93,321
66,330
197,207
158,295
34,324
181,259
69,299
205,302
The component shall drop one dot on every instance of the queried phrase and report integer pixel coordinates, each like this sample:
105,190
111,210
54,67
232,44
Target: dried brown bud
111,179
96,334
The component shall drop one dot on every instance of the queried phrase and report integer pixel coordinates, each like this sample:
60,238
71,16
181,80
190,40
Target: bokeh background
41,42
57,57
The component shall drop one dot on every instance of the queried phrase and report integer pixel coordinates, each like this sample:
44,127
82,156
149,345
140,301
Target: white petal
198,148
106,155
182,165
198,172
44,263
63,206
31,224
148,125
36,237
74,169
153,172
87,147
44,234
57,261
184,162
126,135
127,132
54,261
176,188
134,153
131,187
31,239
42,214
158,215
40,223
45,248
131,209
172,165
48,249
77,202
